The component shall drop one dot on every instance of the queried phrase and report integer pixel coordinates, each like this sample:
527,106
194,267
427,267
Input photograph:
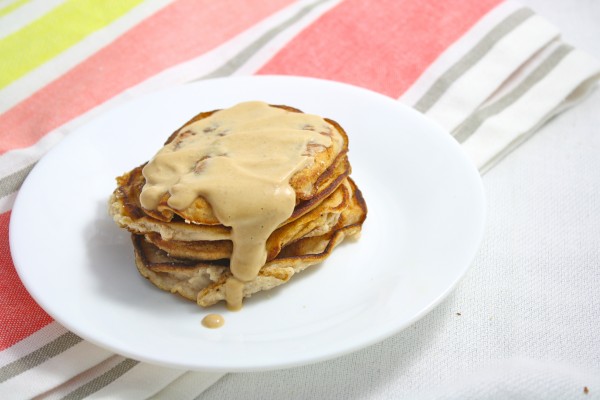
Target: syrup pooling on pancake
241,160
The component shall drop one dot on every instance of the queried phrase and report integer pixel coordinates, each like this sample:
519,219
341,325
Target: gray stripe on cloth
578,94
471,124
11,183
471,58
37,357
103,380
243,56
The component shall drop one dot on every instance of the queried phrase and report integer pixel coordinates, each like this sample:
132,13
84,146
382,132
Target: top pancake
127,211
313,182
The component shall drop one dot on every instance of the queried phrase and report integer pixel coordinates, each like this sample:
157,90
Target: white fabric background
529,323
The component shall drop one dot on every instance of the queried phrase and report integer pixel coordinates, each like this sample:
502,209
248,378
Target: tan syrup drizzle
241,160
213,321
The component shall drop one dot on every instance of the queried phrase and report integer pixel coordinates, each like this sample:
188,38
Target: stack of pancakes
187,251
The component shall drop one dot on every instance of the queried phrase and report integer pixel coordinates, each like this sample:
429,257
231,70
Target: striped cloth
490,72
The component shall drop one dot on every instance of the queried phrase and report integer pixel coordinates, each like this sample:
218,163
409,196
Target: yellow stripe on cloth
56,31
13,6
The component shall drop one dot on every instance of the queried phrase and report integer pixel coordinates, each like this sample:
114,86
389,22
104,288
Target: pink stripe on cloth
177,33
383,45
20,316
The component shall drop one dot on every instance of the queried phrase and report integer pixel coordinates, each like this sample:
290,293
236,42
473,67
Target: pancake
205,282
318,221
128,213
238,200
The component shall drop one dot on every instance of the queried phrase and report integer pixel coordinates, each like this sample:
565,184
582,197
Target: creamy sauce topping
234,292
213,321
240,160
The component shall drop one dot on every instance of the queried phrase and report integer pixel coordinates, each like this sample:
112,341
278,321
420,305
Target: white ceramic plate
425,223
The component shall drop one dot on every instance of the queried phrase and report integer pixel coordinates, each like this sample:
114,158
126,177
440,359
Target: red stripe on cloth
382,45
20,316
179,32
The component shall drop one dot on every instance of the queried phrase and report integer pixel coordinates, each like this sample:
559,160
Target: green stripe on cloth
11,7
471,58
39,356
467,128
11,183
101,381
242,57
53,33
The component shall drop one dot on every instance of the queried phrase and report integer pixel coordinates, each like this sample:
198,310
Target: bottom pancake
204,282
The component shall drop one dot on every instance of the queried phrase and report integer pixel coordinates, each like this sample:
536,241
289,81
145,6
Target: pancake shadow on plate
110,259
